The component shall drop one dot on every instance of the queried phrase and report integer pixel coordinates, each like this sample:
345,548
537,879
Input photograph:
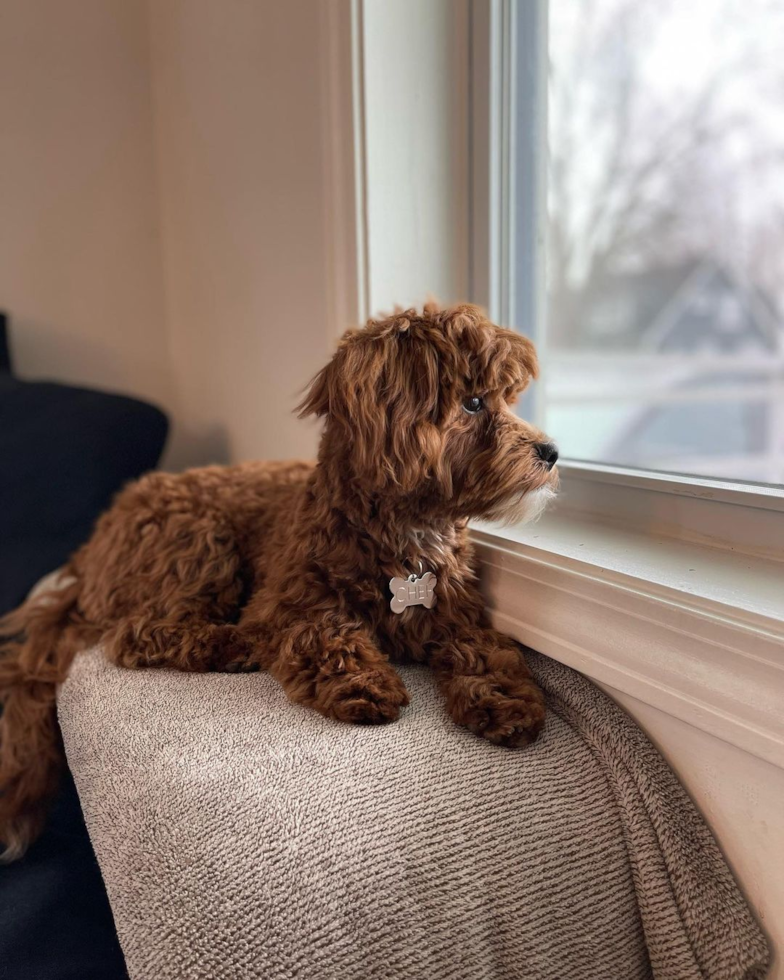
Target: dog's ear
339,391
509,363
380,395
525,353
316,398
349,393
413,406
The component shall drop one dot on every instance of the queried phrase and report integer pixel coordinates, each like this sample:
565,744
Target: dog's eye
473,404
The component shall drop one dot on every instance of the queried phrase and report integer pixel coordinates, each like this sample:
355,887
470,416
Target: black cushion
5,353
55,919
64,452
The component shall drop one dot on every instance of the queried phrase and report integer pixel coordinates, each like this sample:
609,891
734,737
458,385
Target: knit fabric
241,836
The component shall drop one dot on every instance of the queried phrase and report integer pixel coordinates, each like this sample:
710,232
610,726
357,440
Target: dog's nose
547,452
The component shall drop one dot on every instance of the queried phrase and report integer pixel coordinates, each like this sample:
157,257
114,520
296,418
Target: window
664,587
661,329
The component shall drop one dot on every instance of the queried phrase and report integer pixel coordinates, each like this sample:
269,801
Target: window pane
665,326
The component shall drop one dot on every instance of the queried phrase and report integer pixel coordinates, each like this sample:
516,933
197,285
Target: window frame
508,97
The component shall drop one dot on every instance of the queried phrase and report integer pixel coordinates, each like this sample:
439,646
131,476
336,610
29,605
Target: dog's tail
37,644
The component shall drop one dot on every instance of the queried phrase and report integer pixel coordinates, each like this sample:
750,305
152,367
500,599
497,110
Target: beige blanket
243,837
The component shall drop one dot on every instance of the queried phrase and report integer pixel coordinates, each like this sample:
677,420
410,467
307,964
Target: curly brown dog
288,567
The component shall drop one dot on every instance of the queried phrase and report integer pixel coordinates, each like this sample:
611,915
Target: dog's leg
197,645
488,686
336,668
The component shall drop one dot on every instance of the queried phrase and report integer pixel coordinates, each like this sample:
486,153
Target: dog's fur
286,566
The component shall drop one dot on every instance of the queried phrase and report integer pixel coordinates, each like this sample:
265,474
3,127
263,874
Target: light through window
665,319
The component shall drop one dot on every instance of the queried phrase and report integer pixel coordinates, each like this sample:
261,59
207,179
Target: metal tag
413,591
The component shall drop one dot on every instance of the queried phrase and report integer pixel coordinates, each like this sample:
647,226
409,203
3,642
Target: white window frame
660,587
508,78
508,42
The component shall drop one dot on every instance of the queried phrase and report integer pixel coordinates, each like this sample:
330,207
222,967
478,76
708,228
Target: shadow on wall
202,446
60,352
67,357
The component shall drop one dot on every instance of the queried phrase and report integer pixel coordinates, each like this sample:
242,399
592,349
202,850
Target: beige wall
242,174
740,796
80,269
165,213
415,58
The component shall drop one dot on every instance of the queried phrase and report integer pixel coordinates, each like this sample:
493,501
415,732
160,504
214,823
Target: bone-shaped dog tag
413,591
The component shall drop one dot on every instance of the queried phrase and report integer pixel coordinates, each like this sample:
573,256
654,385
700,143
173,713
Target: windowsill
685,570
695,630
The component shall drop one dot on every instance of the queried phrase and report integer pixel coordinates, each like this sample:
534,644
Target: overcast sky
679,49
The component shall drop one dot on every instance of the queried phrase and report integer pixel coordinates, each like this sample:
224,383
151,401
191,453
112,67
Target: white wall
239,106
177,198
416,151
740,797
172,221
80,269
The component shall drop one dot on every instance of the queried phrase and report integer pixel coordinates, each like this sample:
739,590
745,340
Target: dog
321,574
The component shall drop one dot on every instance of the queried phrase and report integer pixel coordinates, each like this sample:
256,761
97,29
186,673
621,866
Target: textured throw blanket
243,837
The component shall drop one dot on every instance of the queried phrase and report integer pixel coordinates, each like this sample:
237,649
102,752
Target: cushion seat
241,836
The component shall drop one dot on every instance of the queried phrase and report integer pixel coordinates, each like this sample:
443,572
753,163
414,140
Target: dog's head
418,409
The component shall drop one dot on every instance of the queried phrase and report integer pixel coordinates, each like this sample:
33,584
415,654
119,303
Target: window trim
712,663
765,496
727,517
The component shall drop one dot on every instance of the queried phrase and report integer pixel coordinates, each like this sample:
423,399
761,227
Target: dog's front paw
369,697
505,711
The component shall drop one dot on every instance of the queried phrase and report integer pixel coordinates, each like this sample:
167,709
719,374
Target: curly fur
285,566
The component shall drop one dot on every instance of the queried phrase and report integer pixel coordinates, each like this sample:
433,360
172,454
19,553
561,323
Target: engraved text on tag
413,591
